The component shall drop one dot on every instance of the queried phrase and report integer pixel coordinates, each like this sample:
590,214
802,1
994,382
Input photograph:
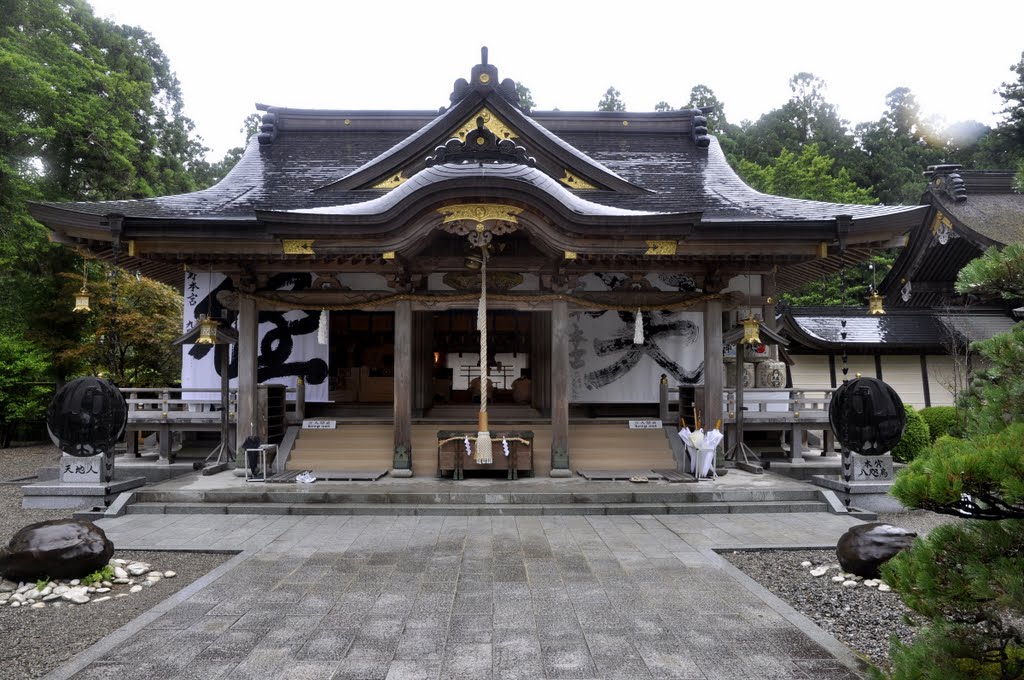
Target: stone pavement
411,598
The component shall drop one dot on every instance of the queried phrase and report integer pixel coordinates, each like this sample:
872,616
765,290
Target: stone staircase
446,500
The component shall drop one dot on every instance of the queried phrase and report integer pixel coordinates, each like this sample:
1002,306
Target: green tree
24,388
88,111
997,274
968,579
611,101
899,147
703,97
805,175
526,102
1004,148
130,341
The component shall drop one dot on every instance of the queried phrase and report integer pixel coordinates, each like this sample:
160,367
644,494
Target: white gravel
861,617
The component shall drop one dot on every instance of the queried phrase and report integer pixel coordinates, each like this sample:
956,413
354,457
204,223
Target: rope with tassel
483,436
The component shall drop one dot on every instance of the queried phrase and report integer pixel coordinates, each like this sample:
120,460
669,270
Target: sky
340,54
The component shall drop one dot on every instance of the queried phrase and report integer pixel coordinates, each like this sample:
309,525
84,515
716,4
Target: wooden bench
452,457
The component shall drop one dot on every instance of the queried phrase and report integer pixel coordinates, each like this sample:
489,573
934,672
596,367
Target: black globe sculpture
87,417
867,416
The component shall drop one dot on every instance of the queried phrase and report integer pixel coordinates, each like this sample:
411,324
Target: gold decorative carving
297,246
131,248
491,122
457,216
575,182
570,255
942,228
485,78
389,255
661,248
471,280
391,182
823,249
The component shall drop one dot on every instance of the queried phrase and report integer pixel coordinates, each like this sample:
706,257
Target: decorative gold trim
942,228
575,182
389,255
491,122
823,250
485,78
570,255
297,246
478,213
131,248
391,182
661,248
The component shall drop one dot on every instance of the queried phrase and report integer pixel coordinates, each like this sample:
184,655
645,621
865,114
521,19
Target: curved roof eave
511,175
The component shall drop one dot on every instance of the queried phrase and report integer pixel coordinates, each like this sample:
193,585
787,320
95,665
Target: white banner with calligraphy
606,366
288,347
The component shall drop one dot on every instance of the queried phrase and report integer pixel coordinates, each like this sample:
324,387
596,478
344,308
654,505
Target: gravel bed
860,617
36,641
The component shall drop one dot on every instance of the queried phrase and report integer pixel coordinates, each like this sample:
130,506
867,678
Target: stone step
311,495
463,509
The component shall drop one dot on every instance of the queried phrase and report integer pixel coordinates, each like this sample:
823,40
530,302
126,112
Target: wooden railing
181,409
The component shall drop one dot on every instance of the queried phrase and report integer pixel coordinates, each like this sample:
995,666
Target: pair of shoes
305,477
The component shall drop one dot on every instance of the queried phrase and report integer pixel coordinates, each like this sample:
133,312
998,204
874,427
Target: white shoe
305,477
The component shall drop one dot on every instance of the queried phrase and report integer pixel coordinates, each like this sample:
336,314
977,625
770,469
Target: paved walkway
410,598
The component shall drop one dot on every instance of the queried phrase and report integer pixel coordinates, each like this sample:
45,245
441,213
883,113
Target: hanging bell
207,331
751,326
82,301
875,304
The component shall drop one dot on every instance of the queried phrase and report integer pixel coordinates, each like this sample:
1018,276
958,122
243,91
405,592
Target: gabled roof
968,212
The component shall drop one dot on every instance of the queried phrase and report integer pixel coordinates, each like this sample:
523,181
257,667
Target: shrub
915,438
941,420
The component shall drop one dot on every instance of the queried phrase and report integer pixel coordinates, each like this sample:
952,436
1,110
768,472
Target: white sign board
319,424
645,425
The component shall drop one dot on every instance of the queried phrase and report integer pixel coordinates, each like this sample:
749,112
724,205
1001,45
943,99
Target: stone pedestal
868,488
86,469
82,482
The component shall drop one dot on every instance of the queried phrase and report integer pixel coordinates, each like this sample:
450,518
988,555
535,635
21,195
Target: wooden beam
713,368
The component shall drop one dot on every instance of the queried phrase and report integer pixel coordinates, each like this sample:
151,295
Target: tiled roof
821,328
291,172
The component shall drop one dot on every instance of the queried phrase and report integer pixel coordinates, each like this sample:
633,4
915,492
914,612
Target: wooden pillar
248,351
714,380
403,383
560,389
540,361
422,362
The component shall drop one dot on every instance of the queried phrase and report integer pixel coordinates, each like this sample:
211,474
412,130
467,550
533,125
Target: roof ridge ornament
484,77
481,145
947,178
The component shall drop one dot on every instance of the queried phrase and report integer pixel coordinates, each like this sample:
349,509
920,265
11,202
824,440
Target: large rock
66,548
866,547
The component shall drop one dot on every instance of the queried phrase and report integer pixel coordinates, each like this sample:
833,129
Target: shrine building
348,248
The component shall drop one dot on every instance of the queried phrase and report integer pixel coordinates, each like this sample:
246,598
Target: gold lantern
82,300
875,303
207,331
751,326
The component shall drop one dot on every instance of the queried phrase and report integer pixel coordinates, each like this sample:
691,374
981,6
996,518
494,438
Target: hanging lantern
875,303
207,331
751,326
82,300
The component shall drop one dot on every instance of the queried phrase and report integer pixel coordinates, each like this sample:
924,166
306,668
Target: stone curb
833,646
122,634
